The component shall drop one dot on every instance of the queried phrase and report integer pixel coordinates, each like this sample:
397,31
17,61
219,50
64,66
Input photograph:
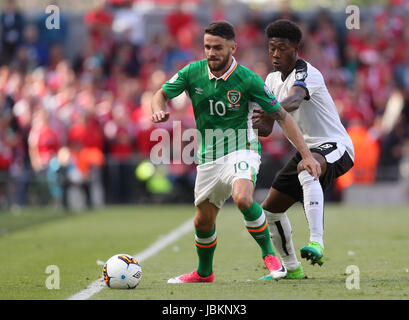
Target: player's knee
300,167
277,202
243,201
321,160
203,224
271,208
265,206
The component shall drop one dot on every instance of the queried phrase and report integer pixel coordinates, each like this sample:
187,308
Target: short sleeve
262,95
301,73
270,82
177,84
314,81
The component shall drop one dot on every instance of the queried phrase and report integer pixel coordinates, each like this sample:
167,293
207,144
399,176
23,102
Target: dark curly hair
284,29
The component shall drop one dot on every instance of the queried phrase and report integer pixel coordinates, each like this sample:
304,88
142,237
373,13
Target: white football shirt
317,117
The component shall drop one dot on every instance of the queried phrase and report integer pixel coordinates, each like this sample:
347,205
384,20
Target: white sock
281,235
313,206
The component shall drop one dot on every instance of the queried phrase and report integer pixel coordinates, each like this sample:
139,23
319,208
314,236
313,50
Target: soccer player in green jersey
224,95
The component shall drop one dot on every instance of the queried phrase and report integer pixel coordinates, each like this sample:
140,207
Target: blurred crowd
82,126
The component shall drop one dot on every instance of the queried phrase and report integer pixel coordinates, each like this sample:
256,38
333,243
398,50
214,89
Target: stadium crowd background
75,115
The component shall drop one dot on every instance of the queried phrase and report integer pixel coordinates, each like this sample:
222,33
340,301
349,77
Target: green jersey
223,107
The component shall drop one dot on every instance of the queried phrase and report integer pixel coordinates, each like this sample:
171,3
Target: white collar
226,74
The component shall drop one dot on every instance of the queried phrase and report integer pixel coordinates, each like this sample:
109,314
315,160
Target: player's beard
217,67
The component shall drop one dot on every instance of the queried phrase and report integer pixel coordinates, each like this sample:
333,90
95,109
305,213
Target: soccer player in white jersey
223,94
301,91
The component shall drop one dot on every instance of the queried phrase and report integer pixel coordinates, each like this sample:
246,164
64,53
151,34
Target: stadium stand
86,88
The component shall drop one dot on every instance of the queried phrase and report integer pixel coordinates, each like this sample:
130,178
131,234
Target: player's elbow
263,132
292,103
262,128
160,96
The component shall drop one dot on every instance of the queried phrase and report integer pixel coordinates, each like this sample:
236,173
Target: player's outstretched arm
158,106
293,133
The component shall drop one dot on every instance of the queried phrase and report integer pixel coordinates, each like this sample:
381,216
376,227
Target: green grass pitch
376,240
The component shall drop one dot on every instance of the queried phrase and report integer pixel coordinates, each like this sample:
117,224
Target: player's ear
296,47
233,48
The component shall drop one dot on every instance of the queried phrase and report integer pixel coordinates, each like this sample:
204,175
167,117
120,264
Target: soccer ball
122,271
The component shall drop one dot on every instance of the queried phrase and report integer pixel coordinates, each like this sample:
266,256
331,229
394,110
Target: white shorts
214,180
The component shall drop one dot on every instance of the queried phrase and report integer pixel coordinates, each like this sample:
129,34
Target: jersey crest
233,96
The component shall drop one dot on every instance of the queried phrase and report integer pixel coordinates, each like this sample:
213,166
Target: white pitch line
152,250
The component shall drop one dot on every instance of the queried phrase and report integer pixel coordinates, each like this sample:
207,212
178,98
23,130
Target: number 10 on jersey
219,107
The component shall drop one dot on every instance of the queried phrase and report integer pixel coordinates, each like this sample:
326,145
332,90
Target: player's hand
312,166
262,122
160,116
